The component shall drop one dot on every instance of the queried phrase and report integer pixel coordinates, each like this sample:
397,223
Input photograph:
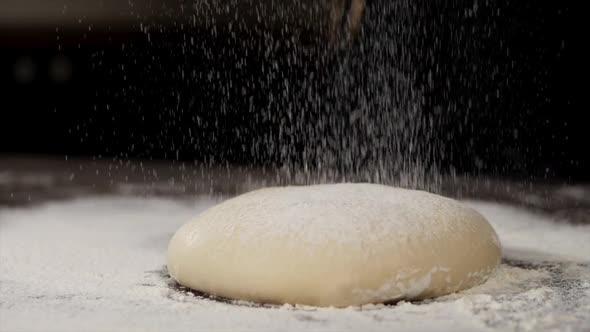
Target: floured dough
334,245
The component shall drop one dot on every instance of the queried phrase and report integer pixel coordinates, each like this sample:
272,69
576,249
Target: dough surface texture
334,245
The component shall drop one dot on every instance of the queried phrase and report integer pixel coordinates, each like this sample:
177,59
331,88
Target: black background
499,80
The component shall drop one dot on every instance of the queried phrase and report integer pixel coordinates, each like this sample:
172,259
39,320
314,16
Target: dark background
496,81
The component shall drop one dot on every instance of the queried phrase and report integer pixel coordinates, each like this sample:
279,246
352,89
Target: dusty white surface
96,264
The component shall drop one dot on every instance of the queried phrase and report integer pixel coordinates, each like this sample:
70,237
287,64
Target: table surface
83,243
29,181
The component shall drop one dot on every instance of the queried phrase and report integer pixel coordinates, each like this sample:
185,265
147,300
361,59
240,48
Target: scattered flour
97,264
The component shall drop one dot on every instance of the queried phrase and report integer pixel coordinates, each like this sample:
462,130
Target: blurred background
400,92
194,101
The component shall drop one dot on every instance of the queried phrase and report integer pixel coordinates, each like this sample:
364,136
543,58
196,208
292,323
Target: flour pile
98,264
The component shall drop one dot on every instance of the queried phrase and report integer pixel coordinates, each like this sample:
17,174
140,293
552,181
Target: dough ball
334,245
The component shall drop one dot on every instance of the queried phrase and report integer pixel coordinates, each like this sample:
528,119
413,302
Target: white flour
97,265
350,214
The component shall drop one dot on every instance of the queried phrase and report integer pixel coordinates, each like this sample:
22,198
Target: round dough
334,245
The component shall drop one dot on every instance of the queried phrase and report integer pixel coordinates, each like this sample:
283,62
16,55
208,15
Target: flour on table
97,264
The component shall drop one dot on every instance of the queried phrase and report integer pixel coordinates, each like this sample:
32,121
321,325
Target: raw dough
334,245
